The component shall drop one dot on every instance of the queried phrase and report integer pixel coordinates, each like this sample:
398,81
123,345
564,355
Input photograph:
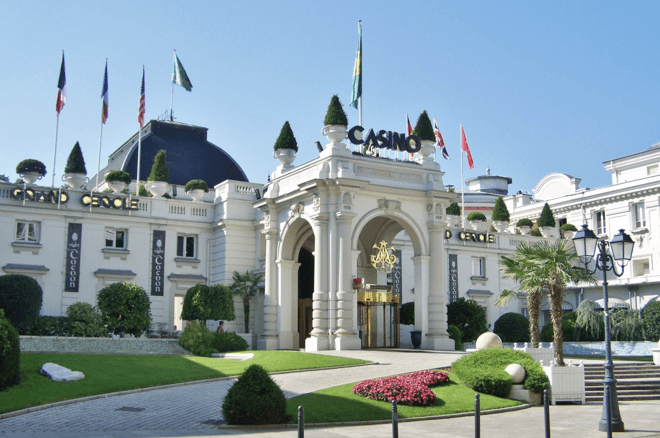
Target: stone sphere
488,340
517,372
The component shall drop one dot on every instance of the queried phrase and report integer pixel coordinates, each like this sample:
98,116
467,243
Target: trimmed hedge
476,216
424,128
500,212
31,165
408,313
125,308
469,317
197,339
51,326
75,163
547,219
524,223
484,372
119,176
85,321
455,334
21,298
226,342
196,184
10,353
453,209
286,139
651,318
512,327
335,114
159,170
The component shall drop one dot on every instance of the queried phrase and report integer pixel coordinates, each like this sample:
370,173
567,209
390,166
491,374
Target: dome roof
189,155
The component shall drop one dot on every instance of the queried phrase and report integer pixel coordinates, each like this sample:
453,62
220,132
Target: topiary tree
469,317
476,216
246,286
21,298
31,165
159,170
424,128
547,219
453,209
118,175
75,163
335,114
195,184
10,353
286,139
651,318
500,212
85,321
512,327
455,334
125,308
568,227
524,223
407,314
254,399
208,303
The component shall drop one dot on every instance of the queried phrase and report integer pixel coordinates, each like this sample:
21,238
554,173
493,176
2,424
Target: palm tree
549,267
246,286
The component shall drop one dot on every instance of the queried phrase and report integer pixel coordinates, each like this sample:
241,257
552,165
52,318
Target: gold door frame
369,302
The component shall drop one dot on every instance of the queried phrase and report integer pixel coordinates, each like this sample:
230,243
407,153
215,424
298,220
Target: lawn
339,404
105,373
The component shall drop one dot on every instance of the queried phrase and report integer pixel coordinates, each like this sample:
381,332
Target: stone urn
426,150
547,231
525,230
453,220
478,225
500,226
30,177
416,338
116,186
335,134
75,180
197,194
285,157
156,188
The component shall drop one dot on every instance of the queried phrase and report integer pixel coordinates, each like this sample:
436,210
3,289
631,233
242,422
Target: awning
566,306
612,303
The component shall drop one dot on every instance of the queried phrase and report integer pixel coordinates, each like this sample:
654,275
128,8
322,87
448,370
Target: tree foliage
547,218
75,163
286,139
500,212
589,325
453,209
208,303
335,114
246,286
407,315
254,399
424,128
159,170
651,318
512,327
85,321
469,317
125,308
627,325
10,353
21,298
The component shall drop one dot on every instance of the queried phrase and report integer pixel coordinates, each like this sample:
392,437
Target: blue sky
540,87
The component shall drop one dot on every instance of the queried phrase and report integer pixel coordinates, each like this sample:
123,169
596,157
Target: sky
540,87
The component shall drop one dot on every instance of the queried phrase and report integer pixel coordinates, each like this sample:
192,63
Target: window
186,246
641,267
639,220
600,223
115,238
478,267
27,232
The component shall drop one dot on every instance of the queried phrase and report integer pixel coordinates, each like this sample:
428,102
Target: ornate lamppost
608,256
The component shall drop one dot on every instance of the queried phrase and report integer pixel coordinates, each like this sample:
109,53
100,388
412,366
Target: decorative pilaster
347,338
288,304
268,340
319,339
437,337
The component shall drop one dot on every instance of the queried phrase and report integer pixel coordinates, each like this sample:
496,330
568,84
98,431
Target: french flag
61,88
104,95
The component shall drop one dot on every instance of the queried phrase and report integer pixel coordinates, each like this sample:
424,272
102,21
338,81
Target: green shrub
196,184
31,165
159,170
335,114
536,232
208,303
512,327
75,163
457,336
567,326
85,321
197,339
254,399
651,319
476,216
21,298
484,370
408,313
500,212
119,176
469,317
453,209
10,353
547,219
590,324
286,139
627,325
142,191
568,227
226,342
51,326
524,223
424,128
125,308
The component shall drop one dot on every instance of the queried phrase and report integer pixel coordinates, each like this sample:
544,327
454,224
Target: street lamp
609,255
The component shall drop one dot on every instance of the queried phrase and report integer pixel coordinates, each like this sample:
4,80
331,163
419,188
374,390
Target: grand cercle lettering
118,202
469,236
48,196
385,139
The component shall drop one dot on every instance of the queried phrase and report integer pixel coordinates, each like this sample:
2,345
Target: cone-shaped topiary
286,140
254,399
547,218
75,163
524,223
10,353
423,128
453,209
159,170
31,165
476,216
500,212
335,114
118,175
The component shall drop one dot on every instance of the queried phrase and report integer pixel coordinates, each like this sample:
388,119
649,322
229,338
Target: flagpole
139,160
462,182
172,95
98,167
103,97
57,128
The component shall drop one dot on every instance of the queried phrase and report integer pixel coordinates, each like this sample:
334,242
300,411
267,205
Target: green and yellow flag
179,76
357,71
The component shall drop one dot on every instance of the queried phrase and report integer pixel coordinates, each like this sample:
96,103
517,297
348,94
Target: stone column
347,338
288,304
437,337
319,339
268,340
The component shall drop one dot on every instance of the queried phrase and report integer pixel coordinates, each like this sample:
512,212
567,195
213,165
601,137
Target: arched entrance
305,291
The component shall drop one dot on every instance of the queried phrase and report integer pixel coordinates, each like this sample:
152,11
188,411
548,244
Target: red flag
61,88
104,95
466,148
141,106
409,128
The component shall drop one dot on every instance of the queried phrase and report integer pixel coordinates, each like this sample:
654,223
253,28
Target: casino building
313,231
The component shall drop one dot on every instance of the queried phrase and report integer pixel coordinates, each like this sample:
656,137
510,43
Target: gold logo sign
384,260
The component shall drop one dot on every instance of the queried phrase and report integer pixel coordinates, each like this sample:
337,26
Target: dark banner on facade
73,245
157,263
397,285
453,278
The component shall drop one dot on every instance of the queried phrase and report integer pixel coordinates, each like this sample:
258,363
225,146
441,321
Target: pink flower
407,389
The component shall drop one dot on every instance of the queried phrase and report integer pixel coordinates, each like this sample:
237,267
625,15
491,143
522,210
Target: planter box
518,392
567,383
656,355
546,355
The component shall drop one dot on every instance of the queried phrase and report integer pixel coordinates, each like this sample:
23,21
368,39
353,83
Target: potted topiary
424,130
500,215
336,123
31,170
568,230
524,226
547,221
285,147
196,188
159,178
75,171
453,214
117,180
477,220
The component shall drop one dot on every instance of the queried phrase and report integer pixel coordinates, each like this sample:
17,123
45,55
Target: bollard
395,420
301,422
546,412
477,415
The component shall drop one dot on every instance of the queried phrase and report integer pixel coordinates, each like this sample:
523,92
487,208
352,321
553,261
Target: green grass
105,373
595,357
339,404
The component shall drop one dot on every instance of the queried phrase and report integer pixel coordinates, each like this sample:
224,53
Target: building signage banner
471,236
73,246
453,278
158,263
117,202
47,196
397,285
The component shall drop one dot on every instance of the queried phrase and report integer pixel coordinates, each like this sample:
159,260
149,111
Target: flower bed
406,389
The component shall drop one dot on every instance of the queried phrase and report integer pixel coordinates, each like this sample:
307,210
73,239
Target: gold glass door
378,319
